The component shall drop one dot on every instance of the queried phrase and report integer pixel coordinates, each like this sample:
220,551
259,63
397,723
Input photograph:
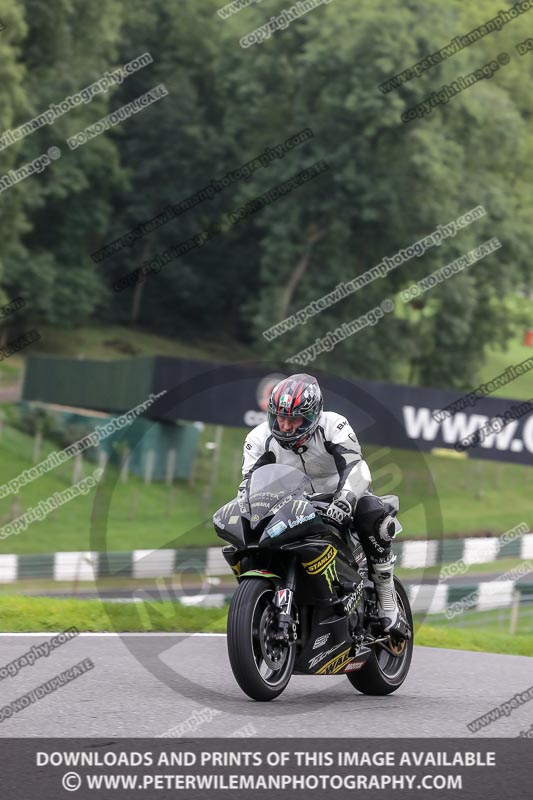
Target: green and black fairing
278,518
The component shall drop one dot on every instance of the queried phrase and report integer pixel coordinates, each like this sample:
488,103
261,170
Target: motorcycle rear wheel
383,673
261,667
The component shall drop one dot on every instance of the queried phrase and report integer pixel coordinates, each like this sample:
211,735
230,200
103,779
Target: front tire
261,667
383,673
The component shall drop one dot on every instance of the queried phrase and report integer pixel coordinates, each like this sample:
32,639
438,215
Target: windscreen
269,485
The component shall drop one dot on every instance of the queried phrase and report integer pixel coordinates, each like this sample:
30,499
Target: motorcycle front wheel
262,666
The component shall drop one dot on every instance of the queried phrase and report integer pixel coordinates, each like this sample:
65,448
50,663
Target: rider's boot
393,621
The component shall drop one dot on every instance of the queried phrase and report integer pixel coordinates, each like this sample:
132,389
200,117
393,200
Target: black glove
341,510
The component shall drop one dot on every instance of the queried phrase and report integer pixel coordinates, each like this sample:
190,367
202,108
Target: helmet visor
290,434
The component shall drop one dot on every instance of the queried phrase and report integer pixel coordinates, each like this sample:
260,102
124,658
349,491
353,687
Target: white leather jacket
331,458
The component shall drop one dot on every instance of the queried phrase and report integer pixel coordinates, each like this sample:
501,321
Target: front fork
283,600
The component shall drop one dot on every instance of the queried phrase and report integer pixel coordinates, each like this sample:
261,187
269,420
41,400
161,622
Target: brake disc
273,658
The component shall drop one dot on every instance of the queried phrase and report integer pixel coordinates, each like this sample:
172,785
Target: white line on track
110,633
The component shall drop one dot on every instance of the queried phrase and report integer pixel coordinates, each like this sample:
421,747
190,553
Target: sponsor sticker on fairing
336,664
321,640
321,656
276,529
281,503
354,665
300,519
298,507
321,562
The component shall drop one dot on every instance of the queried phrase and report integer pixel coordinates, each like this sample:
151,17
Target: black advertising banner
54,769
382,413
388,414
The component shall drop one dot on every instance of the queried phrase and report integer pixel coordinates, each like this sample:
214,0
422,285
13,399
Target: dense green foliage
388,183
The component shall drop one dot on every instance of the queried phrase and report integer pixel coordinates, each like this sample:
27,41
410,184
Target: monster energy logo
226,511
298,507
325,565
330,574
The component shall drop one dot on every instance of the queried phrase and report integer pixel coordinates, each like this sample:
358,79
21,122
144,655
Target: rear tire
383,673
261,668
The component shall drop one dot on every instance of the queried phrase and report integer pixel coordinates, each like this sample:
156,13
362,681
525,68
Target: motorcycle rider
299,433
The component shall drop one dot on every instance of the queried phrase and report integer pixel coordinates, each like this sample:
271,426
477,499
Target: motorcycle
304,604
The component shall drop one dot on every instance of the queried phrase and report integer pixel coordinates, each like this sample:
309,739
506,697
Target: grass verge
479,641
24,614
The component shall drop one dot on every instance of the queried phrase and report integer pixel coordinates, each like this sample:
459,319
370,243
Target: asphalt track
144,685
